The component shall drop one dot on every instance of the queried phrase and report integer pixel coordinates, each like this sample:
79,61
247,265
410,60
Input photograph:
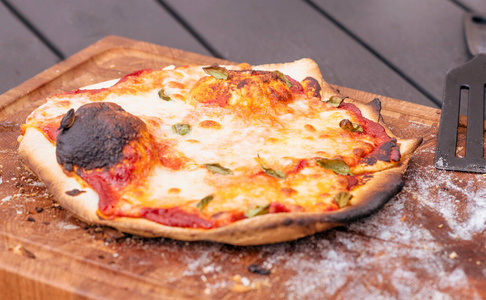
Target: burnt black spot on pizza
257,269
375,104
74,192
302,222
311,86
387,152
97,136
287,222
243,82
67,120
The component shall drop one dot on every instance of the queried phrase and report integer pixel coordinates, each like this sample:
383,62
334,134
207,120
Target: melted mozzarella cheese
236,144
248,143
172,188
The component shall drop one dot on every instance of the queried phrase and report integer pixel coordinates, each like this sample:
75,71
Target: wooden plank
22,54
478,6
279,31
427,242
422,38
73,25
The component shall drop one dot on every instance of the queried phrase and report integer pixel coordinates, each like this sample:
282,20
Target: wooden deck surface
399,49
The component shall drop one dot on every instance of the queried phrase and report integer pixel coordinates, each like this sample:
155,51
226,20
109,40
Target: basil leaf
204,202
335,101
163,96
274,173
336,165
218,169
284,78
350,126
342,199
181,129
257,211
217,71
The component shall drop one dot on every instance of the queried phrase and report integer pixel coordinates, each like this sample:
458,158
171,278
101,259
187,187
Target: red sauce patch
169,158
277,207
298,167
84,91
177,217
227,217
296,87
100,182
386,147
325,207
134,74
51,131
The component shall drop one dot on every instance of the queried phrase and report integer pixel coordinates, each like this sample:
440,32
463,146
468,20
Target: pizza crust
38,154
299,70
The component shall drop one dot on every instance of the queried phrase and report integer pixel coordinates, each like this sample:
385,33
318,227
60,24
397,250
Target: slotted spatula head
466,83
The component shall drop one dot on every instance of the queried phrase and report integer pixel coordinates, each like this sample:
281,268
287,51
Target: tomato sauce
134,74
277,207
296,87
51,131
386,147
100,182
177,217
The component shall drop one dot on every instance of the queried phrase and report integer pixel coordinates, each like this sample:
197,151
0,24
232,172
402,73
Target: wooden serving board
427,242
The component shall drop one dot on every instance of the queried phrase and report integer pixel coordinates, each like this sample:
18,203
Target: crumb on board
20,250
243,284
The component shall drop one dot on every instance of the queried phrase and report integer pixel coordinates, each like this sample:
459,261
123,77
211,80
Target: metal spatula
465,83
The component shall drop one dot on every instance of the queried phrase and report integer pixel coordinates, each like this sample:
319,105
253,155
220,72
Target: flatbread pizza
239,154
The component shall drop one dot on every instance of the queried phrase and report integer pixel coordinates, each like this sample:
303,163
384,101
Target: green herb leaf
335,101
342,199
163,96
350,126
257,211
204,202
274,173
336,165
181,129
284,78
218,169
217,71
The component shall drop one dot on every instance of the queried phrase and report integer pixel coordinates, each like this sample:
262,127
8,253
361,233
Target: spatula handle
475,31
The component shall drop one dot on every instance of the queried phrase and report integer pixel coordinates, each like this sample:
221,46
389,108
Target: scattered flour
396,253
6,199
37,183
445,200
67,226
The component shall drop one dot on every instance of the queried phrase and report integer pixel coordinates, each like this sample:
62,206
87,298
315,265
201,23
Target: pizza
237,154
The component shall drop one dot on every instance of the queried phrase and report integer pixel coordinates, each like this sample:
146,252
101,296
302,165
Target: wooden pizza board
427,242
